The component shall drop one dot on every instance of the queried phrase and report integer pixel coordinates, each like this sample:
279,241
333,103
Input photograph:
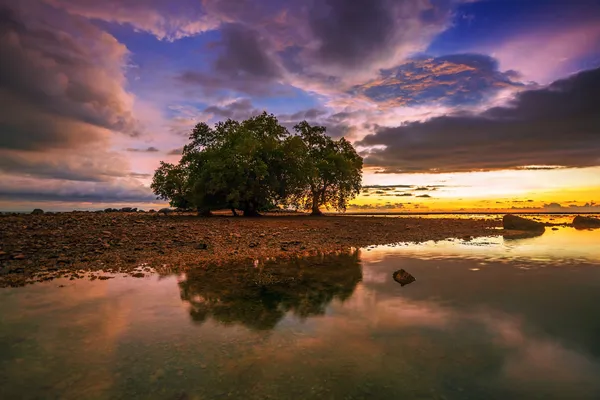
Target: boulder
586,222
37,211
165,211
403,277
514,223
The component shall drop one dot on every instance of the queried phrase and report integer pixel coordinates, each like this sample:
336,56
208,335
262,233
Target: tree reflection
258,297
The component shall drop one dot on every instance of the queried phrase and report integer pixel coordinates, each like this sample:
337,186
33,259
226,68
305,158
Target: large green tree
237,164
255,164
331,171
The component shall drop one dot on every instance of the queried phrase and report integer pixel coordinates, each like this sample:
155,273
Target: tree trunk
204,212
250,210
315,206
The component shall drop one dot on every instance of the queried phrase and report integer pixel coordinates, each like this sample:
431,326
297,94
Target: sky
455,105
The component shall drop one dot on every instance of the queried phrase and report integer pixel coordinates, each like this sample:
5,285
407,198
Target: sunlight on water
563,246
486,319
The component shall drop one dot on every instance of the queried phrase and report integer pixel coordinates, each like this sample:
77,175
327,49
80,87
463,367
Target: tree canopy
258,164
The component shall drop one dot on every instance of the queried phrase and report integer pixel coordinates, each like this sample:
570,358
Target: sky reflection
484,319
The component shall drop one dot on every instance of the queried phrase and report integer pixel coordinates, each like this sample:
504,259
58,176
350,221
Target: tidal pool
490,318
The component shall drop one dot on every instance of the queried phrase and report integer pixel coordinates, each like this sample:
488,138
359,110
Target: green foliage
332,170
256,165
170,182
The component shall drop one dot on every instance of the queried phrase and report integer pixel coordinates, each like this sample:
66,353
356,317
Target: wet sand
99,245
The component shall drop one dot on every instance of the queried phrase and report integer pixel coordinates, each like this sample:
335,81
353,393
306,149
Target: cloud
546,54
454,80
85,165
176,152
156,17
25,188
150,149
62,87
387,206
61,80
363,35
238,110
322,46
244,64
557,125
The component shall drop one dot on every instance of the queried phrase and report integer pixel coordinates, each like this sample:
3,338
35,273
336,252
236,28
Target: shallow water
486,319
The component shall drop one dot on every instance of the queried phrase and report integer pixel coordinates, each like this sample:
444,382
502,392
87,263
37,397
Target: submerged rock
514,223
403,277
586,222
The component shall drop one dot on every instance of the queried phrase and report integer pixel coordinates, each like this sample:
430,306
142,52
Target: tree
237,164
170,182
331,171
256,164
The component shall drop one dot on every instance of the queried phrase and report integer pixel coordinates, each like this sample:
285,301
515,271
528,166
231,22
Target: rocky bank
39,247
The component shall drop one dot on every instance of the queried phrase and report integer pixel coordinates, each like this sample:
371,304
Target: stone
37,211
403,277
586,222
515,223
201,246
165,211
19,257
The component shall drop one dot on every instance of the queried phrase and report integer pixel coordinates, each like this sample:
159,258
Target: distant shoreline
474,213
350,214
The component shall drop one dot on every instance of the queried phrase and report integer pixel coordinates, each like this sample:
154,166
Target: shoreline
36,248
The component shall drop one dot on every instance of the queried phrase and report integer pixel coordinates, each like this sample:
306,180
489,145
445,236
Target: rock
37,211
555,229
138,275
19,257
201,246
586,222
512,222
403,277
165,211
128,209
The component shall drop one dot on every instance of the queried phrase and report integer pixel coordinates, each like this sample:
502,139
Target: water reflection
485,319
260,297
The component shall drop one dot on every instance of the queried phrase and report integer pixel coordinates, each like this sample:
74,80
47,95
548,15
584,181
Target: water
486,319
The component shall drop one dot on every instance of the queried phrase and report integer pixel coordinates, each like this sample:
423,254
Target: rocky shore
39,247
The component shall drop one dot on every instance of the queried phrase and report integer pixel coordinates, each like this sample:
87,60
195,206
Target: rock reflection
259,297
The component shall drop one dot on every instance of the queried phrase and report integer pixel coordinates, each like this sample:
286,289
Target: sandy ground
99,245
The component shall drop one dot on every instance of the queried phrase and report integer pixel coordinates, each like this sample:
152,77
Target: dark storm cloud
244,54
355,33
244,64
60,80
350,31
238,110
150,149
556,125
452,80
